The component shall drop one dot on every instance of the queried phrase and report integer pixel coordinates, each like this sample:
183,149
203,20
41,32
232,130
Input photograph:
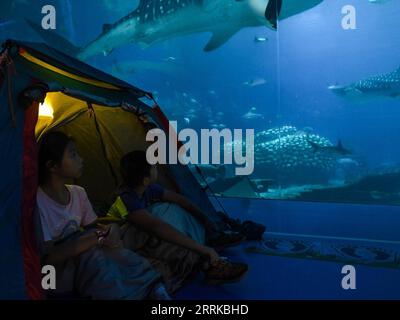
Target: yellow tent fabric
118,130
53,68
62,107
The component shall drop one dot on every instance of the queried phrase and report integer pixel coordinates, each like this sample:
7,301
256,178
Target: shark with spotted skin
385,85
159,20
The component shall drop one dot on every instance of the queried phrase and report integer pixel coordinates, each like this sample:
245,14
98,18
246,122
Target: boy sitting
185,226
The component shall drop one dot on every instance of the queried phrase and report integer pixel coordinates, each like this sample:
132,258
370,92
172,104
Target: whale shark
158,20
385,85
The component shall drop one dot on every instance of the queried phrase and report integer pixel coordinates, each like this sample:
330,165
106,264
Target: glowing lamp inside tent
45,110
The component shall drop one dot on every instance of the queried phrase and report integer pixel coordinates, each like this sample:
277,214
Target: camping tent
105,116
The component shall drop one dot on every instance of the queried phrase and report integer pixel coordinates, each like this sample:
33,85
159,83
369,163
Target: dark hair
134,168
51,148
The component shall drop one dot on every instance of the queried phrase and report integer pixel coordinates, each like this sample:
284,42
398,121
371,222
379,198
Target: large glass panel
321,93
340,80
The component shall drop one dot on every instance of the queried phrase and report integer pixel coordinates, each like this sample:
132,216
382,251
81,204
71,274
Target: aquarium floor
273,277
277,277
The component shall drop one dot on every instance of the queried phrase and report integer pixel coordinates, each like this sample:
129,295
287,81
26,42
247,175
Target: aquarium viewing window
315,81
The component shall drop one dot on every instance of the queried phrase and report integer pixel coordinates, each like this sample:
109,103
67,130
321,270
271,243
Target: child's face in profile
71,164
153,176
153,173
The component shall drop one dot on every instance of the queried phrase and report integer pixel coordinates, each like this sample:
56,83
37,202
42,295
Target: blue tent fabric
11,261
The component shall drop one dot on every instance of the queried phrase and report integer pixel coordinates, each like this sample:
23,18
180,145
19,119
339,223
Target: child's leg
187,224
179,219
175,263
114,274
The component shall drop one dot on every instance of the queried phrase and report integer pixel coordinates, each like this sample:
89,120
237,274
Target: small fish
252,115
260,39
218,126
170,59
187,120
378,1
255,82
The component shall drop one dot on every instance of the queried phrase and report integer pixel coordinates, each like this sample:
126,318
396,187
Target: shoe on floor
225,271
226,239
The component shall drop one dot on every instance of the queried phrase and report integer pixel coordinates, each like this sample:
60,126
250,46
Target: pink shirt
59,221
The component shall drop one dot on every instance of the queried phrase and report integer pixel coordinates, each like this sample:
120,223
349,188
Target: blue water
310,52
316,52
